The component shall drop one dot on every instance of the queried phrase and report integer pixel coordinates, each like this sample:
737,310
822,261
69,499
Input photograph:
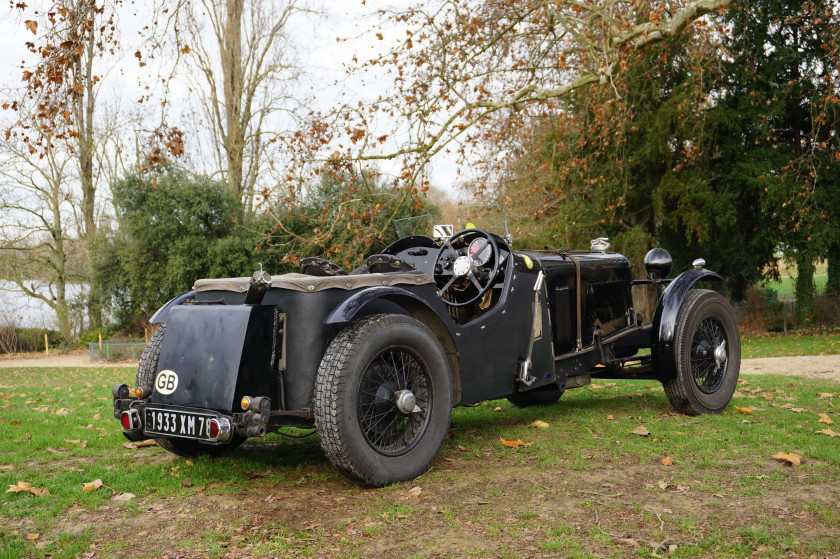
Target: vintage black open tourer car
377,358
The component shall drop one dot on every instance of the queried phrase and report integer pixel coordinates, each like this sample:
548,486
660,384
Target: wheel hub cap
462,266
720,354
406,402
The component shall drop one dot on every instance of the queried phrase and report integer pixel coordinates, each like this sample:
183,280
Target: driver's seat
313,266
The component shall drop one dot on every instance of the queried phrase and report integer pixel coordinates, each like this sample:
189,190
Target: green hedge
27,339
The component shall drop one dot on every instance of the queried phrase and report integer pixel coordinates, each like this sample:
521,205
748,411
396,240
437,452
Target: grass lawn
786,285
584,486
797,342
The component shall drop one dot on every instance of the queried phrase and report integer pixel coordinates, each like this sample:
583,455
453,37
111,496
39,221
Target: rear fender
162,314
667,312
414,306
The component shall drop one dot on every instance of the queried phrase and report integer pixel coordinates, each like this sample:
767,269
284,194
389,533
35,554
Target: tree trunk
232,73
85,153
833,286
804,287
60,265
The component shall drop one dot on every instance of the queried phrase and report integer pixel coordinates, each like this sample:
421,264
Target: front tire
707,352
383,399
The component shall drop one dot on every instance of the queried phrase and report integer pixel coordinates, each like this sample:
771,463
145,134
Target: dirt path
73,360
811,366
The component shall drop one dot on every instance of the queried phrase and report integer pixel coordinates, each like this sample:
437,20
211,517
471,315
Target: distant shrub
8,339
32,339
89,336
827,310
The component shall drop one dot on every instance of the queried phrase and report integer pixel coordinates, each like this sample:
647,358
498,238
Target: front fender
162,314
665,318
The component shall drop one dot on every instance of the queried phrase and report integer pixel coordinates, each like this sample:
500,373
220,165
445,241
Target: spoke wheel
383,397
707,353
393,401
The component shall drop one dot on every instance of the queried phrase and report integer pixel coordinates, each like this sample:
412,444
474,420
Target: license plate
176,423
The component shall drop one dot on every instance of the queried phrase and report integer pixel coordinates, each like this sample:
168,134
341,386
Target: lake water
18,309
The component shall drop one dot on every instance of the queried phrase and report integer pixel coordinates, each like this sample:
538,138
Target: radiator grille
606,306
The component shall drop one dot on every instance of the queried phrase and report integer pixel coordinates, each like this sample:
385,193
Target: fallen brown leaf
610,418
672,486
141,444
641,431
825,395
825,419
32,536
24,486
92,485
123,497
789,459
539,424
828,432
667,461
514,444
415,491
745,411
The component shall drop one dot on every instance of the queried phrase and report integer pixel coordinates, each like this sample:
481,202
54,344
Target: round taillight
214,429
125,419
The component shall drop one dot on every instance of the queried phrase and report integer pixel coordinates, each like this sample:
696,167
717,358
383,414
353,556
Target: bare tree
36,231
61,88
237,57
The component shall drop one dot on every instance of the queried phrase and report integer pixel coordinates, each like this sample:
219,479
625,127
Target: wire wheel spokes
394,401
709,359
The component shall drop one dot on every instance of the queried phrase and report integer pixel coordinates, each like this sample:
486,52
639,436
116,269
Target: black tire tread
149,359
330,383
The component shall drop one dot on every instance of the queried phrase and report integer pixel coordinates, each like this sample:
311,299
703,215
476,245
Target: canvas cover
312,284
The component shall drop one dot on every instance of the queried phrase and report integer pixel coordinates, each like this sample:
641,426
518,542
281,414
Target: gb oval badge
166,381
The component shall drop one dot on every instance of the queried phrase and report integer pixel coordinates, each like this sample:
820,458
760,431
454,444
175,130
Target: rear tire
146,371
383,399
707,351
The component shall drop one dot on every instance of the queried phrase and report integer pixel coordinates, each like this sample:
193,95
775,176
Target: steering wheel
466,266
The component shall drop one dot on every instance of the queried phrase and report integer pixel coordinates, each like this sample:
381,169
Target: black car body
376,360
